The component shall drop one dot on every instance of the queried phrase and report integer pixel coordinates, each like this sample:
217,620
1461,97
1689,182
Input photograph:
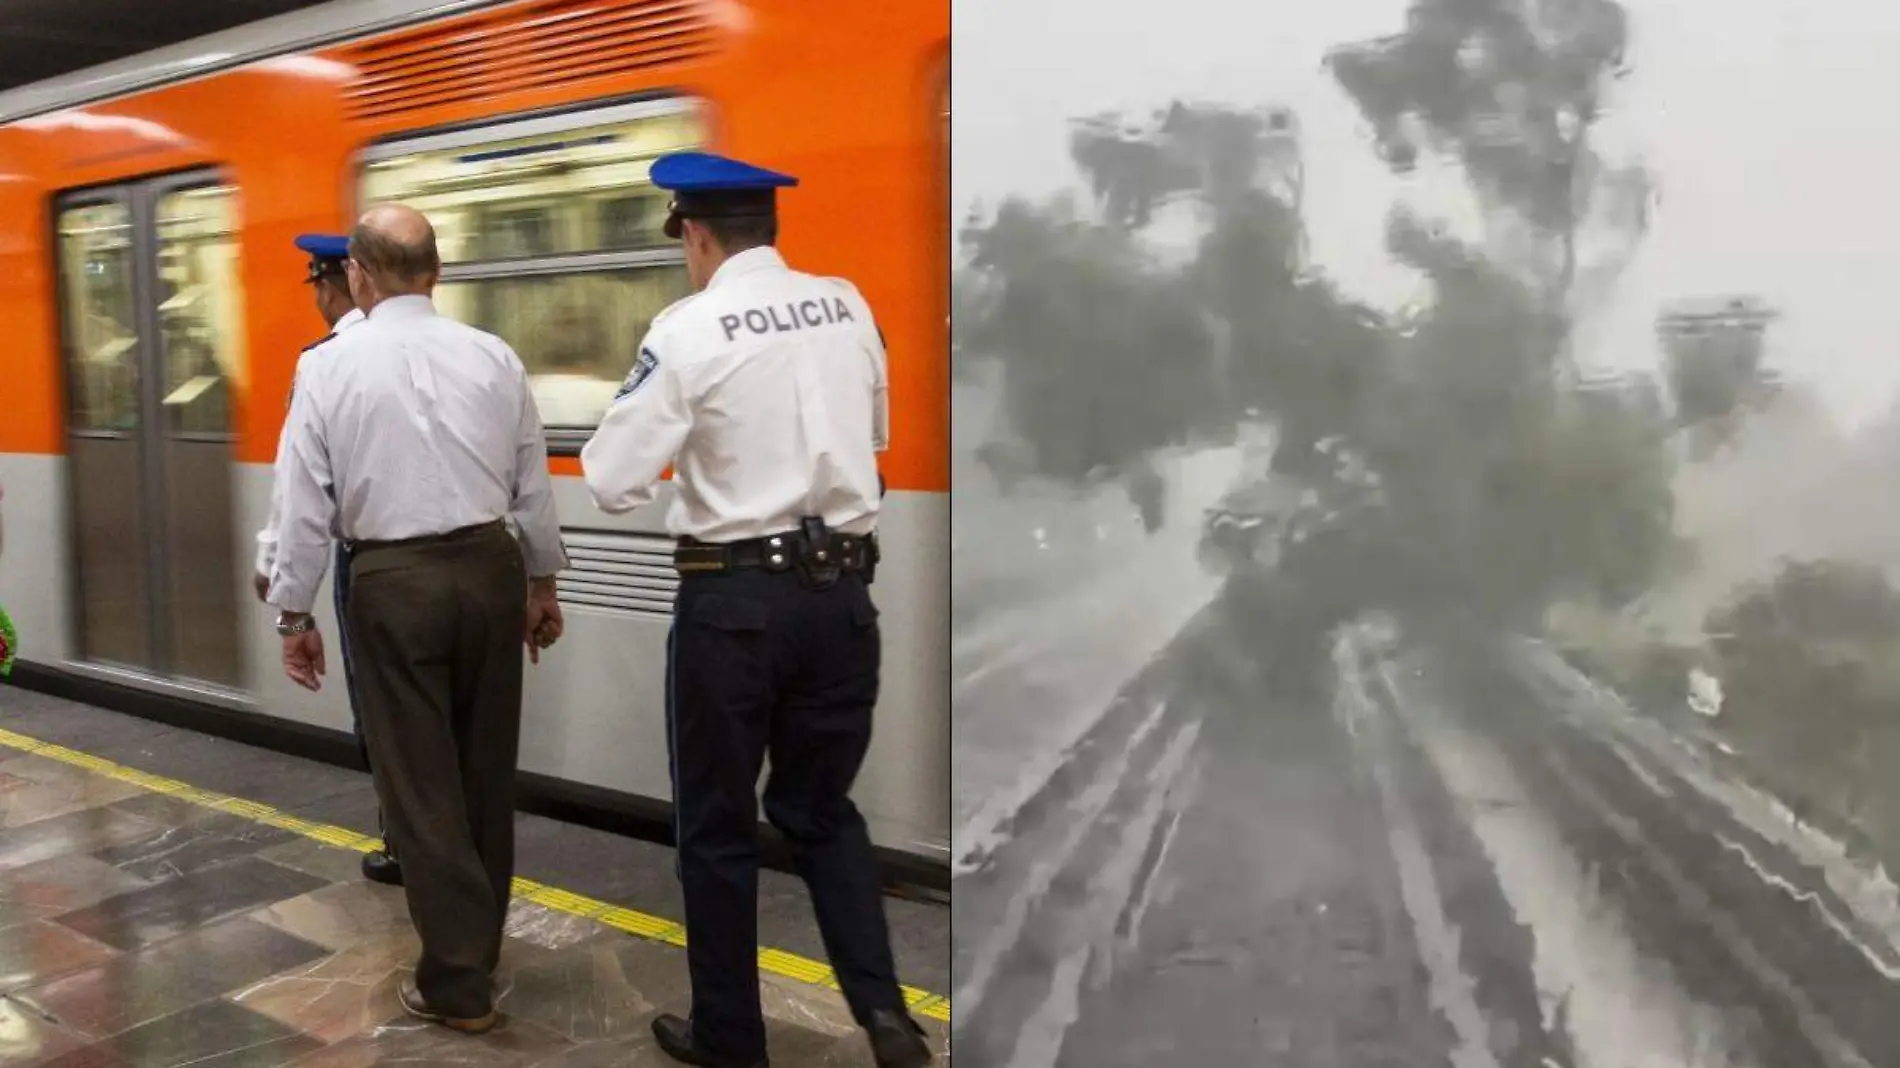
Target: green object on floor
9,644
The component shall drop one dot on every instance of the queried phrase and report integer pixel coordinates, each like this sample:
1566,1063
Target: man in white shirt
767,393
329,279
417,437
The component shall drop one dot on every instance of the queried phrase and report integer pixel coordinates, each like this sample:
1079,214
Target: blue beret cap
702,172
706,186
327,254
325,246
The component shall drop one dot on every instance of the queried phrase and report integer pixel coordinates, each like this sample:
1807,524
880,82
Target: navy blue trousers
757,664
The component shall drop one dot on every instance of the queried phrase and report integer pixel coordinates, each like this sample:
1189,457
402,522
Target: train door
151,337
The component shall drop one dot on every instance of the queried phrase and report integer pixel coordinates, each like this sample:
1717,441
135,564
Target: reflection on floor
138,929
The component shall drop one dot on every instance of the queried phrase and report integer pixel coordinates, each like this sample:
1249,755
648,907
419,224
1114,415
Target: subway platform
168,898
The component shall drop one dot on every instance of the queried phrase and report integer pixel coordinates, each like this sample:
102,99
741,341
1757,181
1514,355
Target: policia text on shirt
799,315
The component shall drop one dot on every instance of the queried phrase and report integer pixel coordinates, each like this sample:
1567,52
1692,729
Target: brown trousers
436,631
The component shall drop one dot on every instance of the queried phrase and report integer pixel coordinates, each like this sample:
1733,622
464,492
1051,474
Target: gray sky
1765,121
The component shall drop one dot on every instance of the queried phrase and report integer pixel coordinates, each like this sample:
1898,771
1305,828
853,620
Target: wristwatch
289,624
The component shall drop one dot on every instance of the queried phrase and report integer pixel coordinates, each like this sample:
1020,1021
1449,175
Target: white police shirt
766,392
411,424
267,537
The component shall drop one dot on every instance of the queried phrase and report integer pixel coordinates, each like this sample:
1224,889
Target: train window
573,331
550,238
95,251
200,296
573,191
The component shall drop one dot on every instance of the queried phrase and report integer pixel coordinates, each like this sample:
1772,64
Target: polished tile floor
144,930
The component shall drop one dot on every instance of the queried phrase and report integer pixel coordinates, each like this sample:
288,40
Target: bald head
393,246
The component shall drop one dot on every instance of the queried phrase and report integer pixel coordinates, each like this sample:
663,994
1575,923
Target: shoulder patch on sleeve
643,368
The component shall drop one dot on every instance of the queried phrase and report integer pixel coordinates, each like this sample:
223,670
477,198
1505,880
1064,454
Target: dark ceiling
45,38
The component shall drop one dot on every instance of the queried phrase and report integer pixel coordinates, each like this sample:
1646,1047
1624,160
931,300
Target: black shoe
380,867
675,1035
897,1041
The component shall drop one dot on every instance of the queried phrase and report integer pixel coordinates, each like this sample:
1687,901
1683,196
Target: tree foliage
1506,480
1108,357
1810,663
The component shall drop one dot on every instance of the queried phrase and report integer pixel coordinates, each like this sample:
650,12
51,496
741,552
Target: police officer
766,391
331,284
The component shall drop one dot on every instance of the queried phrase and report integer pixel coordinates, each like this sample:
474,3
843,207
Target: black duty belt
829,551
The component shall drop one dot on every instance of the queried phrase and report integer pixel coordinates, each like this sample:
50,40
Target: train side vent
537,45
630,573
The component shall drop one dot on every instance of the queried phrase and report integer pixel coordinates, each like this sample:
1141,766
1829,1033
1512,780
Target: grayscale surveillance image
1426,510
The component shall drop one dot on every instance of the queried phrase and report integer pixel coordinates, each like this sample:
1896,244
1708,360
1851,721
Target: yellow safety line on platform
639,924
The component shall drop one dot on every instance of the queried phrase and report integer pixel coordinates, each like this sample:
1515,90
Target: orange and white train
154,310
